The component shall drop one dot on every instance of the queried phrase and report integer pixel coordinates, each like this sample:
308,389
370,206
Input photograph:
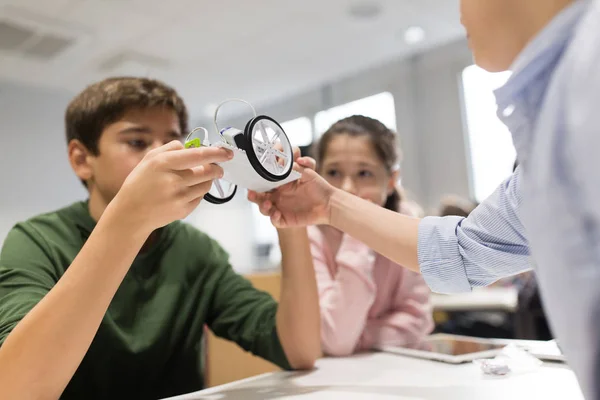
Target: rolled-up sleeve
457,254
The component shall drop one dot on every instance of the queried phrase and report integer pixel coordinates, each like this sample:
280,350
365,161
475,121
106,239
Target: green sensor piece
193,143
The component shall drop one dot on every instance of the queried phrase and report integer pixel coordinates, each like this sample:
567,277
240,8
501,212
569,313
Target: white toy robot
262,156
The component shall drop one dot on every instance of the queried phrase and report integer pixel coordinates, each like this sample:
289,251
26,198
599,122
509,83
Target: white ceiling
260,50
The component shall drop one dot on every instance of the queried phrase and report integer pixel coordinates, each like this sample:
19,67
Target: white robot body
240,172
262,157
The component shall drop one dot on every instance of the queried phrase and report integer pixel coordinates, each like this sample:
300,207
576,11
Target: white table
389,376
480,299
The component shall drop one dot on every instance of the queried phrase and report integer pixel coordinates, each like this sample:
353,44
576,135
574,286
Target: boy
548,209
108,297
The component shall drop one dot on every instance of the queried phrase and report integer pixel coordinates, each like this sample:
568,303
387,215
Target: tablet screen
456,347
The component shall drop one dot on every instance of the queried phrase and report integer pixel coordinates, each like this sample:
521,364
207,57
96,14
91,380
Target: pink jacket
365,298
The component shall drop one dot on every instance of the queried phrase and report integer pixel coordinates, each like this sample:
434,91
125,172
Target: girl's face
350,163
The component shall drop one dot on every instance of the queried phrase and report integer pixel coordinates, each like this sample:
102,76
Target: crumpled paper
511,359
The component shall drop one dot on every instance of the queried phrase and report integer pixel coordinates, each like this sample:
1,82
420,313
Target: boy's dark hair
104,102
381,137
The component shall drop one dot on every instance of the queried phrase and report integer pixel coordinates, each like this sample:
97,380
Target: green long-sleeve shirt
148,345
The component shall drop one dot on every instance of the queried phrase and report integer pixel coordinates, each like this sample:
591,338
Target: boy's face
122,146
491,32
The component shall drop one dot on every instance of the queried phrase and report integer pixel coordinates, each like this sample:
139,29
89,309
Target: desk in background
480,299
389,376
499,301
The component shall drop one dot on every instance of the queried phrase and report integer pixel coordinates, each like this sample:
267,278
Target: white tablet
453,349
544,350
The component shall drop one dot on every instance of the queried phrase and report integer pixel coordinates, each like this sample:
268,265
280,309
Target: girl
366,300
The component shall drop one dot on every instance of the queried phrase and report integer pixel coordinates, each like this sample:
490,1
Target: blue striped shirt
546,216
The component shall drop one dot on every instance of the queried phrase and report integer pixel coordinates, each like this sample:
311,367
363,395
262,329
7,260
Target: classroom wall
35,176
443,164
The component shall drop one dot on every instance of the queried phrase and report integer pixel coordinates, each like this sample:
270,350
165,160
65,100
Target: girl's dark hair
457,206
381,137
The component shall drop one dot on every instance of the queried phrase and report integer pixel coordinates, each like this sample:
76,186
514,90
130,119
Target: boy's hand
299,203
168,184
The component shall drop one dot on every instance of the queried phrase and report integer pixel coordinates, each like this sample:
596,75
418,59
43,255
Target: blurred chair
530,319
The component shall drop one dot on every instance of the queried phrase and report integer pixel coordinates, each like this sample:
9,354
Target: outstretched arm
454,254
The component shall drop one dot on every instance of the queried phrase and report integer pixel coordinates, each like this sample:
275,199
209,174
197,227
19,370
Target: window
492,153
380,106
299,131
